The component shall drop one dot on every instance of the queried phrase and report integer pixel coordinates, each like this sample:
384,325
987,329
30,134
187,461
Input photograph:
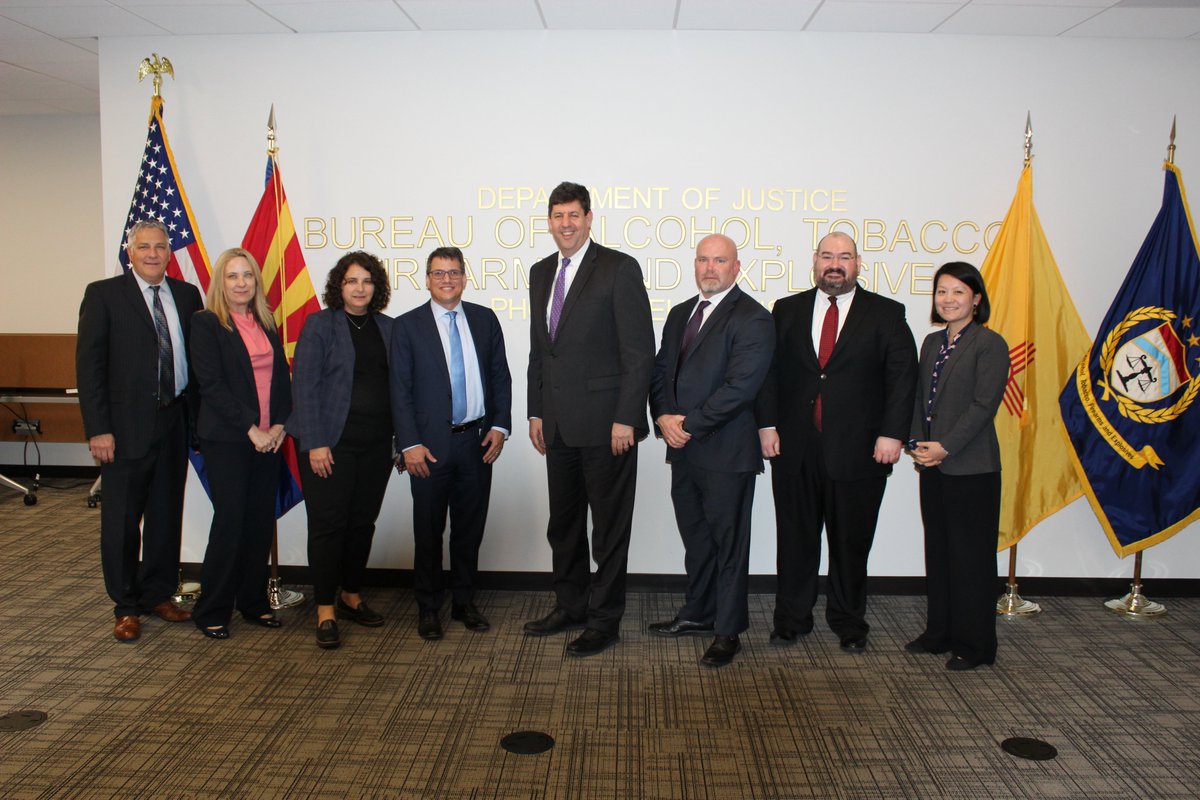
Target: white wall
921,131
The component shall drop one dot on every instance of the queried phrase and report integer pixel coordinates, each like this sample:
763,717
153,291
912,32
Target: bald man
832,419
716,350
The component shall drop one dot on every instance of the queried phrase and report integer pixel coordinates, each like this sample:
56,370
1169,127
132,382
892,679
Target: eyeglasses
438,274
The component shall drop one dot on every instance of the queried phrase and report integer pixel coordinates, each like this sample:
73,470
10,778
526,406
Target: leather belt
466,426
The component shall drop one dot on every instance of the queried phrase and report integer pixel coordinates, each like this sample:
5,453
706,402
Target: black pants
805,501
459,484
235,573
712,510
962,521
342,510
580,478
149,491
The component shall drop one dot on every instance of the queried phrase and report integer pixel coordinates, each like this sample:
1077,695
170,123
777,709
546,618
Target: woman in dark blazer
245,397
343,427
961,379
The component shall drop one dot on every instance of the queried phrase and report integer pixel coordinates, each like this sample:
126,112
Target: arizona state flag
1129,407
271,239
1032,310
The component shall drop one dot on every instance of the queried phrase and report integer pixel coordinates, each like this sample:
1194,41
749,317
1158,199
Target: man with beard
832,416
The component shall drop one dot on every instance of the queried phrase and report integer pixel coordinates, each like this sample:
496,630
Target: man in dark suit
833,414
131,367
716,350
452,407
591,354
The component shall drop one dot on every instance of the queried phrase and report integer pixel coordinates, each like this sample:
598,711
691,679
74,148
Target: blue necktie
458,372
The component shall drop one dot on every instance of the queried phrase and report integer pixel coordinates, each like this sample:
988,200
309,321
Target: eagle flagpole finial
157,67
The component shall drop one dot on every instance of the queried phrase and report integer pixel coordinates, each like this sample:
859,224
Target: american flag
159,195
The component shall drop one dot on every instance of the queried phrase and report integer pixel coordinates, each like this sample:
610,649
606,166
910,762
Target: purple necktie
689,333
560,296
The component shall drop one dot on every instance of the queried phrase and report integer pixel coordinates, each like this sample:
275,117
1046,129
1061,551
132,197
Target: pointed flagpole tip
271,118
1171,144
271,147
1028,138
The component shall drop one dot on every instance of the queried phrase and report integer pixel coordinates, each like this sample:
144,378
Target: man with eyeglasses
832,415
452,407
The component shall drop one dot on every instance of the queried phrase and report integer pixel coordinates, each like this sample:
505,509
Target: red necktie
828,338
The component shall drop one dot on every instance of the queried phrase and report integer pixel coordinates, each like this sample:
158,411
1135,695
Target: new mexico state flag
1032,310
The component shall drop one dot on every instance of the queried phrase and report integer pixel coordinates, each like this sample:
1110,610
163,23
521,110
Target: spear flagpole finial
1028,138
271,147
1171,146
157,67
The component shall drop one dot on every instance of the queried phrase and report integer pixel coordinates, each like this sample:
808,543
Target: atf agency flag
271,239
158,194
1129,407
1032,310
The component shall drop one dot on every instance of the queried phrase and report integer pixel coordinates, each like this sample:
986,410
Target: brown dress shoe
170,612
127,629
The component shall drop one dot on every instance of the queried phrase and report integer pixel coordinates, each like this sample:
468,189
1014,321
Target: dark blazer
970,388
323,377
866,386
717,383
421,398
228,396
597,372
116,359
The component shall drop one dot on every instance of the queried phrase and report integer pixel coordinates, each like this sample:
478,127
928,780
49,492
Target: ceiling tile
880,17
475,15
1147,23
349,15
89,43
1014,20
611,15
210,19
22,84
1027,3
85,75
89,20
761,15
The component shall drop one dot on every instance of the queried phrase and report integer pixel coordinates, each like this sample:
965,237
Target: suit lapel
579,283
804,323
133,295
965,343
429,323
857,316
723,309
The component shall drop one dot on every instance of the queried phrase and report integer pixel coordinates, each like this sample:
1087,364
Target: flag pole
278,596
1010,602
1135,604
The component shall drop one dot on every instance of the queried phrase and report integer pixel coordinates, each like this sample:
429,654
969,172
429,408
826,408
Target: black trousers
459,484
961,514
342,510
712,510
805,501
235,572
580,478
142,509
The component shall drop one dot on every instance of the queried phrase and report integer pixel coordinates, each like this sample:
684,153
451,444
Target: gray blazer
323,376
970,389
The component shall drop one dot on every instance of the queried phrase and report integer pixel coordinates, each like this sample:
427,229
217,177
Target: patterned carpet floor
267,714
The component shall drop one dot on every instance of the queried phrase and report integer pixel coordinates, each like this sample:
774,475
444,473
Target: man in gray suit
590,357
716,350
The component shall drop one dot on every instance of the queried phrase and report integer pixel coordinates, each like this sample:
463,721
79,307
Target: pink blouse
262,359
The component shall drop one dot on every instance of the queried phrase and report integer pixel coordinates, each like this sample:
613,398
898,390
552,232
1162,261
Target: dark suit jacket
421,396
597,372
970,388
323,377
225,378
866,386
717,383
116,359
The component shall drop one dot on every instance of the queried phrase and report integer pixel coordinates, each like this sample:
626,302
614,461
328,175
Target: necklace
366,318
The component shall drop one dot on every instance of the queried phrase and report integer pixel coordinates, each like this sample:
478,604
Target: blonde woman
245,396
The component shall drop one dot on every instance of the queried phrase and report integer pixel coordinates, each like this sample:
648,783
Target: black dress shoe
591,642
470,617
721,651
678,627
269,621
918,645
219,632
556,621
429,627
784,636
854,642
961,664
327,635
363,615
